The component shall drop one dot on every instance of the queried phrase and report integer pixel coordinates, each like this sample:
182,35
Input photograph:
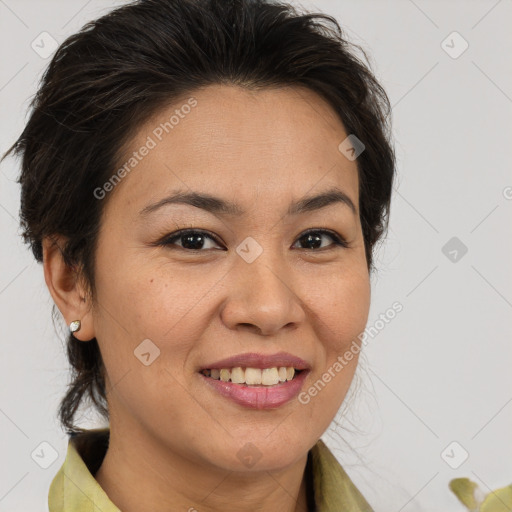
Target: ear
66,289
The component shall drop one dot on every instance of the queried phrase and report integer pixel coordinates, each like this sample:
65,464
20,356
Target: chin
261,453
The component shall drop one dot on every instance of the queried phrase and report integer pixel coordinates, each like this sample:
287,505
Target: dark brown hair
116,72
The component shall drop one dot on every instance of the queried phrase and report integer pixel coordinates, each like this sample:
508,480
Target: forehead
234,141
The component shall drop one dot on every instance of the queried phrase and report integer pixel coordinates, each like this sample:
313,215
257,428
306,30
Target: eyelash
170,239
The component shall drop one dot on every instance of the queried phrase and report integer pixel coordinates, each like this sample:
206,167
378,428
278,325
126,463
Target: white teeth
238,375
269,376
253,376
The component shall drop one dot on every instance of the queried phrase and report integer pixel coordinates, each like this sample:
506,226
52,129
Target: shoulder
333,488
74,488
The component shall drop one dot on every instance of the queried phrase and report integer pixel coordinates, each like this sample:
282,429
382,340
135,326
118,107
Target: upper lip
255,360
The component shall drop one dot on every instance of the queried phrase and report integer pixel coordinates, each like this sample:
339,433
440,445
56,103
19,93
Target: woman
205,182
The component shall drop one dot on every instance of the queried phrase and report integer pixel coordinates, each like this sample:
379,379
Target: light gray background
441,370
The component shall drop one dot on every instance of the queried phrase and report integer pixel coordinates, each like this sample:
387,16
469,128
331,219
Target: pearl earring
74,326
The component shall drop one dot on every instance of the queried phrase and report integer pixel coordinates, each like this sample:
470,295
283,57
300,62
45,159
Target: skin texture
174,441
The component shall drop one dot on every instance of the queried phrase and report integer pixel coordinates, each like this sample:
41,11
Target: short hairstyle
109,78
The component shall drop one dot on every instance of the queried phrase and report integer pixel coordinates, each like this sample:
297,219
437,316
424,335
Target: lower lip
259,397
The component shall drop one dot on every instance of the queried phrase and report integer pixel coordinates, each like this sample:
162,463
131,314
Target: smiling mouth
253,377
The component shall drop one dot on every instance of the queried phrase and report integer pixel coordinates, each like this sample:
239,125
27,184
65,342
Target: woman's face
254,283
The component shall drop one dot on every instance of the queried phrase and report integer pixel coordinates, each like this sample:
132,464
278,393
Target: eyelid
171,237
338,240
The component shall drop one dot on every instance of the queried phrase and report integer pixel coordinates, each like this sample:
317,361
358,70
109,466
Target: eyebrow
217,205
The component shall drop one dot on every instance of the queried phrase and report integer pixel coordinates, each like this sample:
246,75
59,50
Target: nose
262,297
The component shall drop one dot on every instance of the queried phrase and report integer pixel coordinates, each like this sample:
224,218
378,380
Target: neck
140,475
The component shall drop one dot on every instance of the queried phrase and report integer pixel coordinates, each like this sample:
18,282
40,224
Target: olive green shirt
74,488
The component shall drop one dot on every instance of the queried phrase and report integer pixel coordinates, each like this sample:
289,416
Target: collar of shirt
74,488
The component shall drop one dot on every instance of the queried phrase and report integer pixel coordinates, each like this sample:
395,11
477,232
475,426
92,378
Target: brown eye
195,240
191,239
313,238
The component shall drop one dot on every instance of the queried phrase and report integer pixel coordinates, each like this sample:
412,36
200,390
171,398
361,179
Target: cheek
143,299
342,313
149,302
146,331
342,308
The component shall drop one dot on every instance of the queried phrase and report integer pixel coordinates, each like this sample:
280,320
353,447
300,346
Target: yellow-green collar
74,488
